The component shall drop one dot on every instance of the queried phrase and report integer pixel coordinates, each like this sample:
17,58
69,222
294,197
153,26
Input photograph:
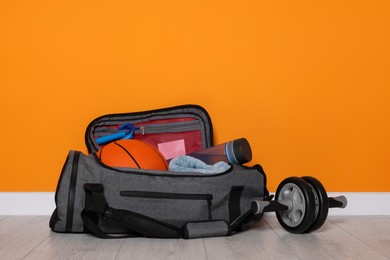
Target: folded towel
185,163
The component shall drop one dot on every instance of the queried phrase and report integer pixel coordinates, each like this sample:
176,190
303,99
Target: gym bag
110,202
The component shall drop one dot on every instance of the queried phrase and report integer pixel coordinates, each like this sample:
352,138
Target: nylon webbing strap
148,227
234,203
96,208
94,211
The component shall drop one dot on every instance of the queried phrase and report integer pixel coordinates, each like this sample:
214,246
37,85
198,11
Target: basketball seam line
132,157
159,155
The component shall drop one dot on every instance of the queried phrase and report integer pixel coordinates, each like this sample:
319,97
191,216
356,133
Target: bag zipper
167,195
174,127
169,127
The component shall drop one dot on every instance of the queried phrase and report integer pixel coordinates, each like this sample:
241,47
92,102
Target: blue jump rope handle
110,138
126,133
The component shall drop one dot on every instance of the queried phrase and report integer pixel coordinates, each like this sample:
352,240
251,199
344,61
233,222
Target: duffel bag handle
216,228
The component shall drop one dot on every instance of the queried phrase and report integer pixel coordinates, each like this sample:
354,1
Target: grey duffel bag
112,202
108,202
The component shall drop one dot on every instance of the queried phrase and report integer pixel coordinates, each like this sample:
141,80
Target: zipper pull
142,130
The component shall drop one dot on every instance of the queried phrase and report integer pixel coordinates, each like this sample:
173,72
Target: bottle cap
239,151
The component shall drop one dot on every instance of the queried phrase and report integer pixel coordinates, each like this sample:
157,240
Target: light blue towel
185,163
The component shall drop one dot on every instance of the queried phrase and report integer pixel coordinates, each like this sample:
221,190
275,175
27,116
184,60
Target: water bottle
236,152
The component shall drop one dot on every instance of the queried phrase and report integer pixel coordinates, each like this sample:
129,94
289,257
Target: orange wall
307,82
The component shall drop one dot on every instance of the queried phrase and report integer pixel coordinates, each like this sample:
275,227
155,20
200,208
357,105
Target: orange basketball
132,153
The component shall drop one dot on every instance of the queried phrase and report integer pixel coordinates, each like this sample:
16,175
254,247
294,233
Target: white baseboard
42,203
26,203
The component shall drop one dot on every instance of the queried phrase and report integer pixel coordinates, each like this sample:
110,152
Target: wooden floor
341,237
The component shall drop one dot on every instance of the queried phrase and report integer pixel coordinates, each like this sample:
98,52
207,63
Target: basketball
130,153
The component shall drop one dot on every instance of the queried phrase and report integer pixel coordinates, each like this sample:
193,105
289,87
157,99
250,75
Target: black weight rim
322,205
300,217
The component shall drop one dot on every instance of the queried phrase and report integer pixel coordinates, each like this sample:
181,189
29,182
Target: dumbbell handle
261,206
338,202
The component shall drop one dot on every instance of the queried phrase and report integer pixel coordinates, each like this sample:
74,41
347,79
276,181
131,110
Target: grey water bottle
236,152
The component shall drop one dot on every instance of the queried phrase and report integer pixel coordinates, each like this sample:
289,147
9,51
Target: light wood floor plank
372,230
180,249
75,246
329,242
342,237
20,234
74,255
259,242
